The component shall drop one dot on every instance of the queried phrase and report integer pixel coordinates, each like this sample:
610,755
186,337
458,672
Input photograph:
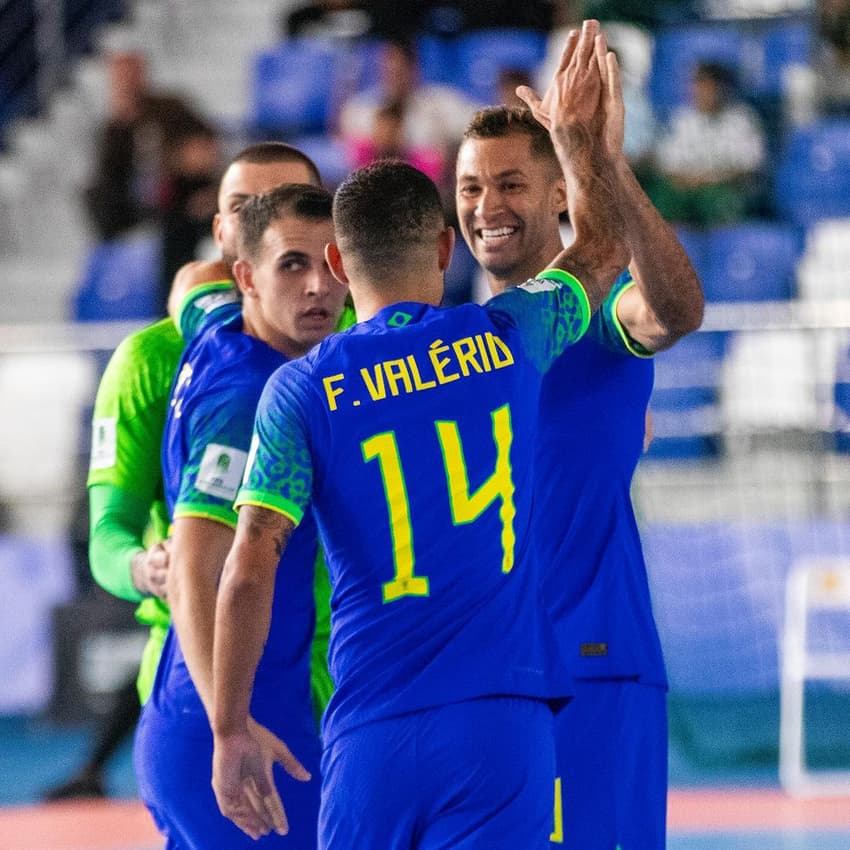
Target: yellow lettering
464,350
331,391
440,363
418,383
396,370
479,340
376,388
557,836
501,355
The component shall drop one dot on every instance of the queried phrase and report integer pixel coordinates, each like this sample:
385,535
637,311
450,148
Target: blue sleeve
219,437
279,475
606,327
551,311
205,305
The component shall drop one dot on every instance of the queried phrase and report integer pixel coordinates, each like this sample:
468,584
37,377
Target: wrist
137,573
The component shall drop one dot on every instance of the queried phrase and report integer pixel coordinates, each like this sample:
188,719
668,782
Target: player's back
420,423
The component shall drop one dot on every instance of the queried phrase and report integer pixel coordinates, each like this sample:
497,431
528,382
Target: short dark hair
292,199
383,211
720,74
262,153
496,122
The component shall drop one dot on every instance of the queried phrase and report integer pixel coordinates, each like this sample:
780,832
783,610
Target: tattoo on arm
264,524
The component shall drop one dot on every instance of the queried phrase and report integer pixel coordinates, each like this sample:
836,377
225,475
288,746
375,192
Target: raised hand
573,96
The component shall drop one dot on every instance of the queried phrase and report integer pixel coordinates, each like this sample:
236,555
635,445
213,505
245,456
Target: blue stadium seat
329,154
752,262
121,280
812,180
293,87
482,54
779,44
684,403
437,59
679,49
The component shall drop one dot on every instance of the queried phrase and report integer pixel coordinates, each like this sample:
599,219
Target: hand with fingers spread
243,779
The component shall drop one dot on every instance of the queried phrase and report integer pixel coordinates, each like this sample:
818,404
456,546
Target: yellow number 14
466,507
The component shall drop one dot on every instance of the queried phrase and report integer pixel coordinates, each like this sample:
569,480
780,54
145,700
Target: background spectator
387,141
709,158
433,117
157,161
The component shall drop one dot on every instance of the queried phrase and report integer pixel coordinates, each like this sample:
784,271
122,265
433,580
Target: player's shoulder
158,340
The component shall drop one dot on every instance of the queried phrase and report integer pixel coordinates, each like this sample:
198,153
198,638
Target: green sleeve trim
576,286
196,292
632,346
213,512
275,503
116,527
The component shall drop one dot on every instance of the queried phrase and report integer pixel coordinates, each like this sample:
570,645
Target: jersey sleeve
605,326
219,436
129,412
205,305
552,312
280,468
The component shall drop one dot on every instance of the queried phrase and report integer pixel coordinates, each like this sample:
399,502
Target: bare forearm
243,616
199,547
672,295
192,600
243,612
598,253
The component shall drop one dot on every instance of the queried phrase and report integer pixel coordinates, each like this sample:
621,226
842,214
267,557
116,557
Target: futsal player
611,785
289,303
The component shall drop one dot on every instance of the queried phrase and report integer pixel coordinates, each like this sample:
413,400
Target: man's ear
445,247
334,261
559,195
216,229
243,271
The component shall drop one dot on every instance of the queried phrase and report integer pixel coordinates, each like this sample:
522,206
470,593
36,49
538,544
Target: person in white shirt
708,160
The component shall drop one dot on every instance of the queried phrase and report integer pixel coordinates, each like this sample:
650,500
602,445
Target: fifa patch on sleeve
221,471
214,300
104,443
593,650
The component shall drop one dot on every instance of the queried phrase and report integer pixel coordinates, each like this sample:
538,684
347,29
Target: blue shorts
475,774
611,746
174,772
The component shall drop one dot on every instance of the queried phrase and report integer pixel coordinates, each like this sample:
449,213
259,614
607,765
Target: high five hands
585,91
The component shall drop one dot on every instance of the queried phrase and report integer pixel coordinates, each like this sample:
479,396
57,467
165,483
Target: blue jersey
412,434
594,401
207,437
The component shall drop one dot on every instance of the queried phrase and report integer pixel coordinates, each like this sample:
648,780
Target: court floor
715,819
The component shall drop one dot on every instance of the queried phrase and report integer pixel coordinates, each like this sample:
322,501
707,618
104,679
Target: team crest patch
104,442
221,471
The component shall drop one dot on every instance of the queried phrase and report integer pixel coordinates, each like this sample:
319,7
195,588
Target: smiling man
611,741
